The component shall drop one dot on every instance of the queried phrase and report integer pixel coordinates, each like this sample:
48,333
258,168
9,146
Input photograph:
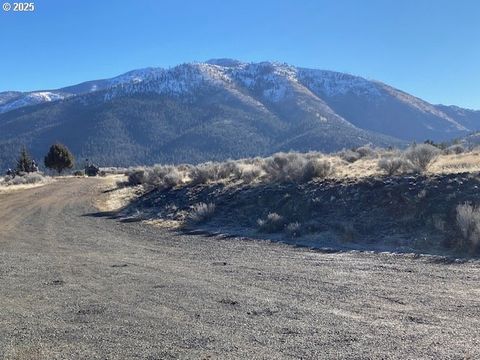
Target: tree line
58,158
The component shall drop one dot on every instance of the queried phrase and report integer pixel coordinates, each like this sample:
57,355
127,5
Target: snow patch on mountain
274,80
8,96
331,83
33,98
179,80
136,76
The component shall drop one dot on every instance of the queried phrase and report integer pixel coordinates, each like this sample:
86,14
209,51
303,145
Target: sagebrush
24,179
468,222
200,213
422,156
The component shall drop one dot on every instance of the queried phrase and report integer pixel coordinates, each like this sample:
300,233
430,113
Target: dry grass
116,198
165,224
443,164
11,188
456,163
359,169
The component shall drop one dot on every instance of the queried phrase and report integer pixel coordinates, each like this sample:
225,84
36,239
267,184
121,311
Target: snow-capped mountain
371,105
12,100
218,109
32,98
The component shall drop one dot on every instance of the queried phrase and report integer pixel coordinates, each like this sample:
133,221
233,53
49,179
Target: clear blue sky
430,48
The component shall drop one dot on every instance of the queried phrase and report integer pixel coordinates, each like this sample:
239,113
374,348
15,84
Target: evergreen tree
24,162
59,158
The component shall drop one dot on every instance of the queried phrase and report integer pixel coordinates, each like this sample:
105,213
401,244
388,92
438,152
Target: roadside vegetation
423,198
26,172
26,179
364,161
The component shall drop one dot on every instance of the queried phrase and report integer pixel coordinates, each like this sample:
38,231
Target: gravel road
78,286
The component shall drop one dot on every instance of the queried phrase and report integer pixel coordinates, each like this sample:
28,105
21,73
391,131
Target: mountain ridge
218,109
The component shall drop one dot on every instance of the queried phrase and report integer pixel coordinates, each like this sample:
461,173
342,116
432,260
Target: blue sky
428,48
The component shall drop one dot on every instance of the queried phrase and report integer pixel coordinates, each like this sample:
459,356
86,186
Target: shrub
227,169
352,155
248,172
349,155
393,165
468,222
421,156
159,176
278,167
136,177
113,170
454,149
272,223
162,176
79,173
203,173
171,179
7,179
440,146
294,167
316,168
201,212
27,178
294,229
155,176
33,178
366,151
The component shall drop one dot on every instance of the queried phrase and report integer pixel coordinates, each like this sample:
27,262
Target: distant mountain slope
466,117
378,107
216,110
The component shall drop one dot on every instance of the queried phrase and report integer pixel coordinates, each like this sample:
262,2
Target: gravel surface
76,285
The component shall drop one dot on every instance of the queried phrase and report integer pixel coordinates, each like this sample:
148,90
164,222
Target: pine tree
24,162
59,158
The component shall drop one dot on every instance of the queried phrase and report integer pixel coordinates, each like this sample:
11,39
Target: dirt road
77,286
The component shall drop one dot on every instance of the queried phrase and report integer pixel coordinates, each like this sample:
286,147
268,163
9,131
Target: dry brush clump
272,223
394,165
281,167
296,167
362,152
201,213
23,179
454,149
416,159
111,170
294,229
468,222
422,156
158,176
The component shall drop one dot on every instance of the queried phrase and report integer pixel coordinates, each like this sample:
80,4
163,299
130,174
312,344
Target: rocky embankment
407,213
